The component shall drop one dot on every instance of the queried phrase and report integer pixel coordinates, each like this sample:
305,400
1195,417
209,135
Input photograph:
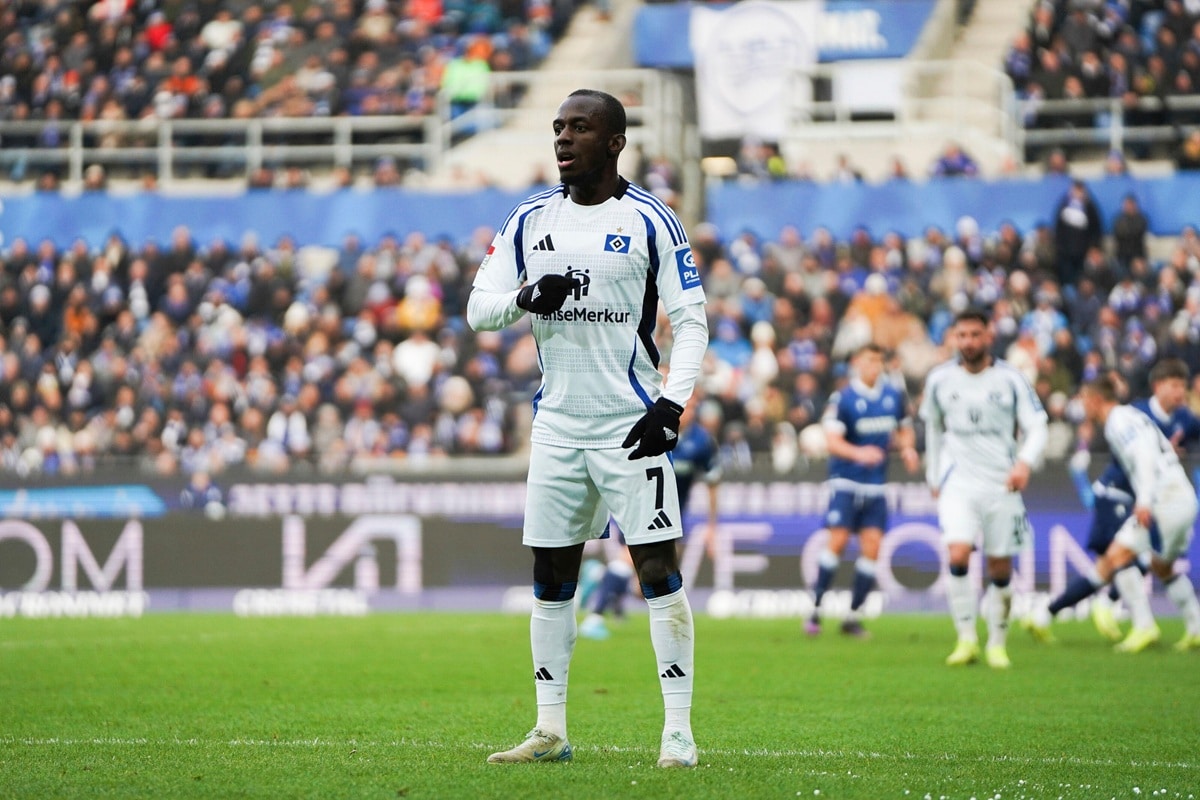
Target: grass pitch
408,705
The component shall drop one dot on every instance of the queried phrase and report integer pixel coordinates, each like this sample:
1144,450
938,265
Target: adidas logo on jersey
544,244
674,671
660,522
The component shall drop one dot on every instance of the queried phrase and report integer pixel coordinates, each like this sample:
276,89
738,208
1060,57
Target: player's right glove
545,295
657,430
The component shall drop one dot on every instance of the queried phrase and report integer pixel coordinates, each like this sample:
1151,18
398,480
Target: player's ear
616,143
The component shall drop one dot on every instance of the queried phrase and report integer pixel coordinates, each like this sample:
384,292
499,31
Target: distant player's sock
1183,595
552,639
1080,587
1132,584
864,582
963,606
1143,565
827,564
613,586
673,634
999,605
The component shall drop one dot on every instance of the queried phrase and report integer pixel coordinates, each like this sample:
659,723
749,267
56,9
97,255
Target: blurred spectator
1129,232
954,163
1077,228
465,80
1187,157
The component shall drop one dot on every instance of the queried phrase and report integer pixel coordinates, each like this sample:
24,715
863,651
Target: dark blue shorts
1107,518
856,511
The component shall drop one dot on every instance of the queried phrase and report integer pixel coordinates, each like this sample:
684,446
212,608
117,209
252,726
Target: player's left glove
657,432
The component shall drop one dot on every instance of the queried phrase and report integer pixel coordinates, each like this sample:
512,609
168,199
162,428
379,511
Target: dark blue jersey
864,416
694,456
1181,427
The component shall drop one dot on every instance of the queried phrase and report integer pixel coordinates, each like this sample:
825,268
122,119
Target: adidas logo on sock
660,522
544,244
673,671
543,674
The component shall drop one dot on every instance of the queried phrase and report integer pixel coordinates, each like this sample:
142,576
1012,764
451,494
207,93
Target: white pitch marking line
318,742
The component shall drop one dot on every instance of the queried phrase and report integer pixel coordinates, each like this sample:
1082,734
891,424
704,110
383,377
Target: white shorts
997,520
1175,513
571,493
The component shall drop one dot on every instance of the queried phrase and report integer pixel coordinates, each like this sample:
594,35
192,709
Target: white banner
743,57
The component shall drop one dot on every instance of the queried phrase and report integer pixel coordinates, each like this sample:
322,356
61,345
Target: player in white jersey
1162,494
589,261
976,466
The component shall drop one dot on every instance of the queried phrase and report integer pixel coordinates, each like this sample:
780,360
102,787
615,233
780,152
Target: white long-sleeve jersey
978,425
1144,453
597,353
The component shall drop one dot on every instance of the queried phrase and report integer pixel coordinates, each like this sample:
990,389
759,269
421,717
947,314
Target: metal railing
1105,122
937,99
168,145
171,147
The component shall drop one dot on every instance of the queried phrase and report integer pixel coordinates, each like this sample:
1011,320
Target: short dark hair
1105,386
972,315
870,347
614,112
1169,368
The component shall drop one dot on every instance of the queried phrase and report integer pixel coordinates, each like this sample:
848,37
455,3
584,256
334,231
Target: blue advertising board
1170,204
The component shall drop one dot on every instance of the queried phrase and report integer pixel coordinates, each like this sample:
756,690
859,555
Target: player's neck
593,194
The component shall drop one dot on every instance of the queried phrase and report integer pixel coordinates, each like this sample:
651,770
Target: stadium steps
510,156
980,46
962,105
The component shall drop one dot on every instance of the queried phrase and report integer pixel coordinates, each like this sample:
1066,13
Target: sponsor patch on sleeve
689,274
487,257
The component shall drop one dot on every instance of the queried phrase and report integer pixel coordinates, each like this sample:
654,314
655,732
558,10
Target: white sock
673,634
552,639
963,608
998,606
1183,595
1132,586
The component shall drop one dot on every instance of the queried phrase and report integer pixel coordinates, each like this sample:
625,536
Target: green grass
409,705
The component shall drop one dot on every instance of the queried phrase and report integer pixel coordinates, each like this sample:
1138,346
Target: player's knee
657,569
555,573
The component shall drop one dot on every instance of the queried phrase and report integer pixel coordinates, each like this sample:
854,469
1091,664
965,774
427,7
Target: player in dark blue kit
694,457
1111,499
862,423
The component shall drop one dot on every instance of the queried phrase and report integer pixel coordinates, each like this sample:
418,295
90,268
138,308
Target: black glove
545,295
657,430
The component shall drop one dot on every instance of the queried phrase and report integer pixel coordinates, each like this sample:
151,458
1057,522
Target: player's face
583,146
869,366
973,341
1170,393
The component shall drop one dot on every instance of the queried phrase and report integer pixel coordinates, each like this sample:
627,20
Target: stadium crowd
1129,50
198,357
119,60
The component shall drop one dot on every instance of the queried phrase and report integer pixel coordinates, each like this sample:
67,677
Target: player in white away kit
977,467
589,260
1162,493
